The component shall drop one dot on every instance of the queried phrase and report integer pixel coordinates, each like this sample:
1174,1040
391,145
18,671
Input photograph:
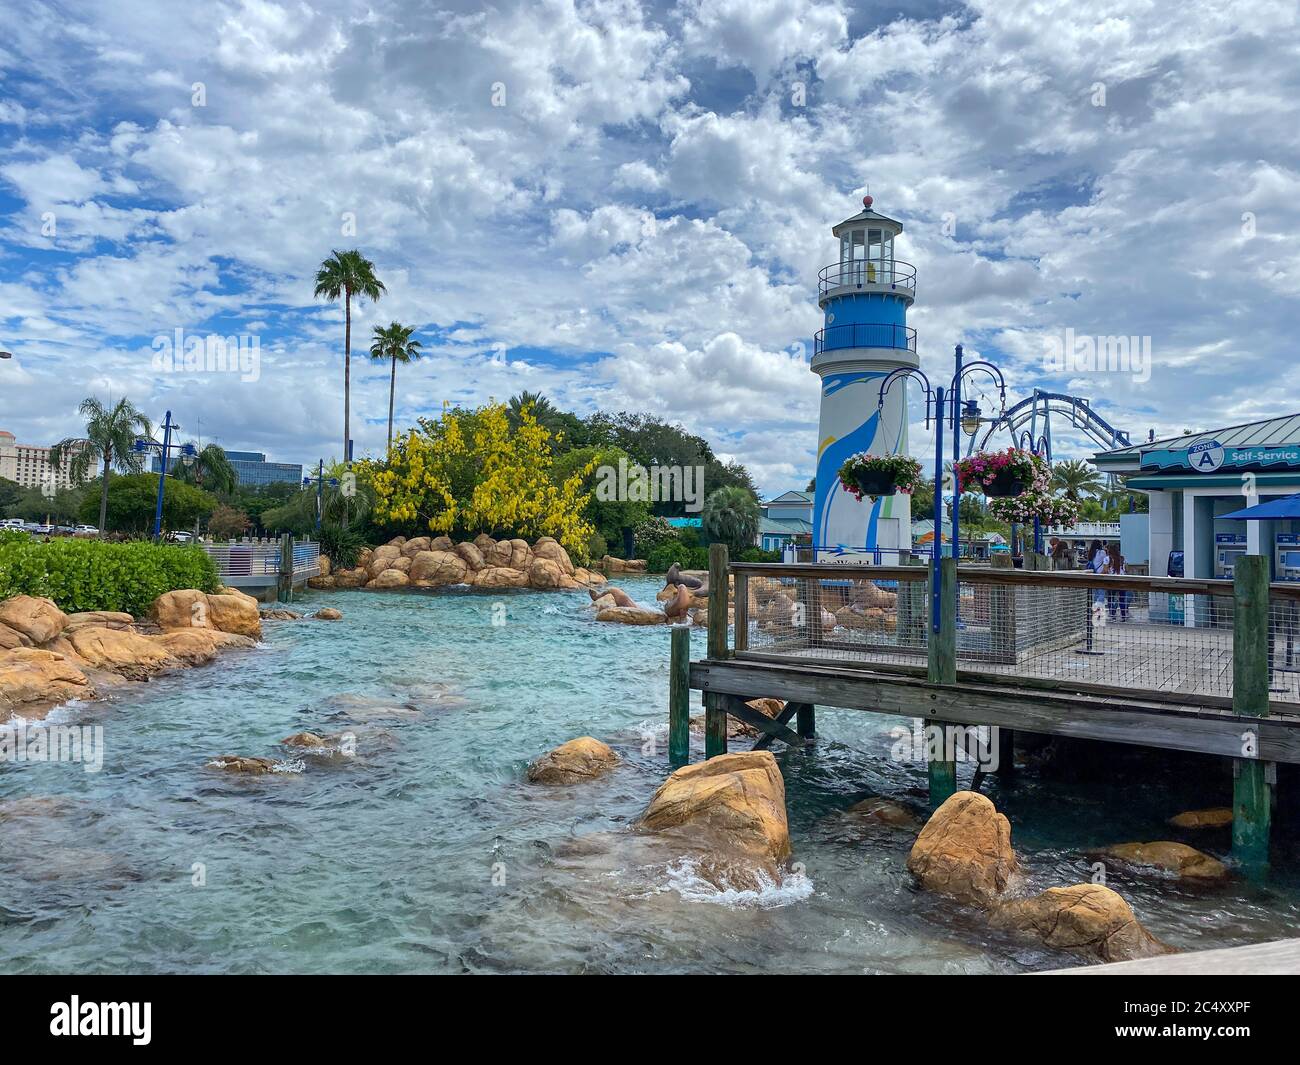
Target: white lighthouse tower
865,297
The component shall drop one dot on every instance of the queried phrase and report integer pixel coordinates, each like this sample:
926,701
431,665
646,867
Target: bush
757,554
662,557
91,575
597,547
341,545
650,533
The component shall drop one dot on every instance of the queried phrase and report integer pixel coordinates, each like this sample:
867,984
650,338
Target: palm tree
1074,477
731,517
396,345
346,273
110,435
210,469
544,412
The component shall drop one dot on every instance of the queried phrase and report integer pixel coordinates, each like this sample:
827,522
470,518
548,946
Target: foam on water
685,879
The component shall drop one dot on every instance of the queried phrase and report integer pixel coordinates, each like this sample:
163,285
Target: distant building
29,465
785,518
252,469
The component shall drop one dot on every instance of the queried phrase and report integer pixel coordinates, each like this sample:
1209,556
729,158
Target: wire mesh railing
1169,638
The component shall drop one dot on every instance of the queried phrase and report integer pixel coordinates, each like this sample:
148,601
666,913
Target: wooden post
1251,796
715,706
679,696
284,584
943,670
806,720
742,611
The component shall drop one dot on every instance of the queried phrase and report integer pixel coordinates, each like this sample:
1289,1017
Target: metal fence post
942,669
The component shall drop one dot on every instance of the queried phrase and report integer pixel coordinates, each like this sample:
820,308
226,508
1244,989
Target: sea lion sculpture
676,576
680,603
621,598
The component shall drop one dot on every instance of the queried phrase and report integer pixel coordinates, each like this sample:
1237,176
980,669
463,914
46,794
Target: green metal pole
942,669
1251,798
715,707
679,696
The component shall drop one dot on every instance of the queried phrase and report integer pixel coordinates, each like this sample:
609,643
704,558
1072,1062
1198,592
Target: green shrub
757,554
662,557
341,545
92,575
597,547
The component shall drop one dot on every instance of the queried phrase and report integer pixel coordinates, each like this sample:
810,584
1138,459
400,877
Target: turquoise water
427,851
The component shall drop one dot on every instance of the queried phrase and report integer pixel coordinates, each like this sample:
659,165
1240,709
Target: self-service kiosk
1228,547
1286,557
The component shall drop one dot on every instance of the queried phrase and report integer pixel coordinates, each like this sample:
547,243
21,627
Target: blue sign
1211,456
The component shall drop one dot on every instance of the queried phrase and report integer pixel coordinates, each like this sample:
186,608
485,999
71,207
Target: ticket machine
1228,547
1286,557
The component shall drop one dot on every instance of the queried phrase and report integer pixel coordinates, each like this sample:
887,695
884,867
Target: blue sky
638,225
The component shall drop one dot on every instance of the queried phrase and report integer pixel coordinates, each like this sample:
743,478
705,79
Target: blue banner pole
162,480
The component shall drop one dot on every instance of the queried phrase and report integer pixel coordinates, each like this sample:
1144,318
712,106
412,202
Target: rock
196,647
328,613
737,729
582,759
500,577
1219,817
1085,918
234,763
321,582
350,578
433,569
499,554
442,543
183,608
35,620
484,543
397,541
363,557
304,739
1187,862
385,554
109,619
964,850
521,554
545,574
632,615
390,578
11,638
126,653
235,612
34,681
472,555
885,812
323,564
588,577
280,614
546,547
415,545
603,602
733,807
610,564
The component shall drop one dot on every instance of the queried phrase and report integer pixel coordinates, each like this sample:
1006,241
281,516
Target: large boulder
322,582
632,615
499,554
415,545
390,578
545,574
1217,817
433,569
233,611
1085,918
36,620
442,543
183,608
588,578
731,807
350,578
237,763
34,681
582,759
1185,862
471,554
110,619
323,565
610,564
328,613
500,577
385,554
196,647
964,851
521,554
484,543
548,548
126,653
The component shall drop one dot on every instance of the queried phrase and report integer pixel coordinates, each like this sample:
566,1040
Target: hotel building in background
253,470
29,464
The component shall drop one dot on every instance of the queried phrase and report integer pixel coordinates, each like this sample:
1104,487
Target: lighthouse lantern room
864,297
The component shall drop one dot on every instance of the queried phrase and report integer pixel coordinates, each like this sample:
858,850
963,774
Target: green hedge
89,575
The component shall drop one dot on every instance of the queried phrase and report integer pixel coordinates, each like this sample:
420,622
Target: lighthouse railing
864,335
859,273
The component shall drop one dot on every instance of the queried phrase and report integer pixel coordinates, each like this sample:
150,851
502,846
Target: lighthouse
864,297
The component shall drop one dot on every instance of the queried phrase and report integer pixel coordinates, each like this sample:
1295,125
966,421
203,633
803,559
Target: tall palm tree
347,273
1074,478
544,412
396,345
731,516
210,469
110,434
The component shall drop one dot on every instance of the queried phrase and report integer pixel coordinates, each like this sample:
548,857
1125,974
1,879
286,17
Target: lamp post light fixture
188,454
321,481
946,408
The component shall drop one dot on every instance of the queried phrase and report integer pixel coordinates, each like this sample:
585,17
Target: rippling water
428,853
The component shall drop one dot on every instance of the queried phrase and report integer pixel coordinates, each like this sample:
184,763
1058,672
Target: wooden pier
1187,665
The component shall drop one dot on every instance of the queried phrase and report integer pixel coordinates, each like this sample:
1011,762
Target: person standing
1116,601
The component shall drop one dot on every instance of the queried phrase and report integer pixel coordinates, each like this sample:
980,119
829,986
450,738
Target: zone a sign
1205,457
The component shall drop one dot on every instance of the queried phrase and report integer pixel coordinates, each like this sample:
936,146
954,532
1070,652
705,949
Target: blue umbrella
1287,507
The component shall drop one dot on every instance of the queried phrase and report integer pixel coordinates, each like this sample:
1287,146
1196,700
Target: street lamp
321,481
144,446
946,408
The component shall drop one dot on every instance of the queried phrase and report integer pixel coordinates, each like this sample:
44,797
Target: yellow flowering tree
469,472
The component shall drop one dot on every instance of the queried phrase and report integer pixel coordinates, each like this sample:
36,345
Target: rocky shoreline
482,563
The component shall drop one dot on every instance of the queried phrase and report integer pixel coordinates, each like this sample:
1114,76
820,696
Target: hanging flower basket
864,475
1004,474
1047,508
